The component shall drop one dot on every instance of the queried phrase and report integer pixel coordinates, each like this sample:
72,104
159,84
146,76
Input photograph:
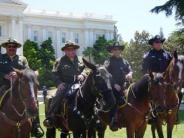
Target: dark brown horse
173,79
19,106
134,115
80,107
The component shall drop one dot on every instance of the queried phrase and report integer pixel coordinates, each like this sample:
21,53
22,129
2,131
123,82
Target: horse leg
51,133
141,131
170,124
91,133
64,134
159,129
130,131
153,128
76,135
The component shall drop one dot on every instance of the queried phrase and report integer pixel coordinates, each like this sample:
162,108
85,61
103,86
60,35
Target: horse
80,109
19,106
135,114
173,77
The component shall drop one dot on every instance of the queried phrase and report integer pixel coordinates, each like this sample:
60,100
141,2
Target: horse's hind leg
51,133
76,135
130,131
159,130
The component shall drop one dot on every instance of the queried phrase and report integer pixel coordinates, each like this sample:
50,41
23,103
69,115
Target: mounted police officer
66,71
121,72
8,62
157,59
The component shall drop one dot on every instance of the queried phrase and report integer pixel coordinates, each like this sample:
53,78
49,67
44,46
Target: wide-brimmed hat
11,41
70,44
115,45
156,38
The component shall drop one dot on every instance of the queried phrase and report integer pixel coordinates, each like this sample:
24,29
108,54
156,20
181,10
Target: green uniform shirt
66,70
7,64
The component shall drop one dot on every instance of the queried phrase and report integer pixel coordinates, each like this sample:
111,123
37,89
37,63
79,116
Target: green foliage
31,52
135,51
88,53
169,7
175,42
41,59
47,54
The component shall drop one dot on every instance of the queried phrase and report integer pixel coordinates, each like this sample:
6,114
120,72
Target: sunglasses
11,46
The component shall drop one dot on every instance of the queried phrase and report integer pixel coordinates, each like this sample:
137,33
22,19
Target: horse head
27,84
175,72
101,81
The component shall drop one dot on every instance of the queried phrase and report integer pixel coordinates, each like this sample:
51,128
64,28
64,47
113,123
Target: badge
66,66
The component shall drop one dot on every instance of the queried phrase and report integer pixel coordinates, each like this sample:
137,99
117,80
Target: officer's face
157,45
116,52
70,52
11,49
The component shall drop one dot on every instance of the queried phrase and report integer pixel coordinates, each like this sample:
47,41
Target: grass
178,131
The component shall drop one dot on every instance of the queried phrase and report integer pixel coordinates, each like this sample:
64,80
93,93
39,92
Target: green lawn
177,133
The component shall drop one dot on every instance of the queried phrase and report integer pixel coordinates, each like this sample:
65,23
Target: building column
44,34
71,36
58,45
91,37
86,38
13,23
29,33
20,36
107,36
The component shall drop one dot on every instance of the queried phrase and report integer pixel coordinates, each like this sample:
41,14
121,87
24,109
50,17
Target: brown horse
173,79
135,113
19,106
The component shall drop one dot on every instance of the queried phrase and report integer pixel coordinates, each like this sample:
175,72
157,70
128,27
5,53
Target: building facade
22,23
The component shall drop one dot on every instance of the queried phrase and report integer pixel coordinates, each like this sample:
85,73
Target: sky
131,15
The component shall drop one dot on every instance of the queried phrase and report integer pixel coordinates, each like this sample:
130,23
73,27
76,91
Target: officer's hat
70,44
156,38
115,45
11,41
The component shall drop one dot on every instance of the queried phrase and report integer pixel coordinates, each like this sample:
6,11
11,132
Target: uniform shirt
66,70
119,68
156,61
7,64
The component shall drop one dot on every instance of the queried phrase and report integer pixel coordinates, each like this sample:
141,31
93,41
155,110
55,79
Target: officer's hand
13,74
80,78
117,87
129,76
61,86
7,77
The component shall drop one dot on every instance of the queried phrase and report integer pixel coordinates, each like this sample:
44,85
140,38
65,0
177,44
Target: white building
22,23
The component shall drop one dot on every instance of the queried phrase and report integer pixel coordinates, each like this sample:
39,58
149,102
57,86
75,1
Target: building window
50,35
35,36
76,38
63,37
0,30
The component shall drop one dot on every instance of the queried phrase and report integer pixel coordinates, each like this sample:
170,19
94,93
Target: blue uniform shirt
156,61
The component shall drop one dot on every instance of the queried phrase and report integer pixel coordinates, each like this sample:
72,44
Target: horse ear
89,65
175,55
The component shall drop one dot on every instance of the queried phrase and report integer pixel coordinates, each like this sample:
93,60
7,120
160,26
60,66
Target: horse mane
140,88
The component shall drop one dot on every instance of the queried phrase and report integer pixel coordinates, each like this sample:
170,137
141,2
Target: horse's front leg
141,131
170,124
76,134
130,131
153,129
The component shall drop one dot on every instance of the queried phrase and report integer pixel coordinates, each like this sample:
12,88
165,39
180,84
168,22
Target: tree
31,52
169,7
100,53
175,42
47,58
135,51
88,53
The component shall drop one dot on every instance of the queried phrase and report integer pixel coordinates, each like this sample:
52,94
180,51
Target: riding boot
37,131
113,115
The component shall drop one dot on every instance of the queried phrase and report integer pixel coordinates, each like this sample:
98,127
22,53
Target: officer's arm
1,77
128,69
56,73
145,65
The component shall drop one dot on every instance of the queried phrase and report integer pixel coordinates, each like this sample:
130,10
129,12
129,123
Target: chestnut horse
173,79
19,106
134,115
